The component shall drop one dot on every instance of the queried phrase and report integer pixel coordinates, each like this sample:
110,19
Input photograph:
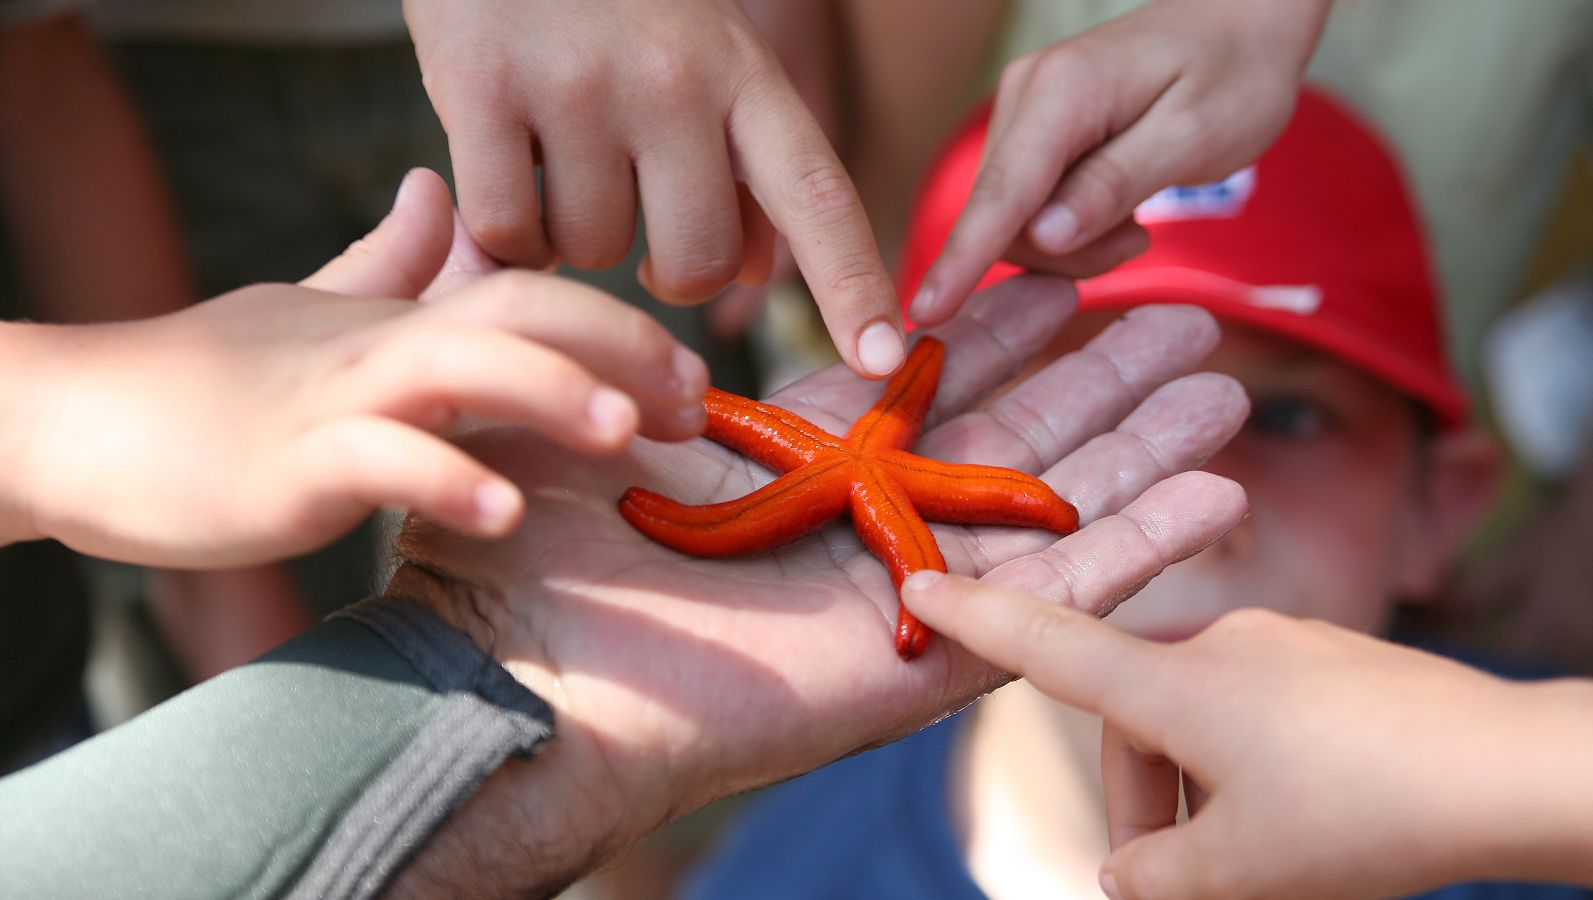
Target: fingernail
922,580
691,375
1109,886
611,412
880,348
923,303
497,503
1054,228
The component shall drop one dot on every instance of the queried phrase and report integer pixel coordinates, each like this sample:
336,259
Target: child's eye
1288,417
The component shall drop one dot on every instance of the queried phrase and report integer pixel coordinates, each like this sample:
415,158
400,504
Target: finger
1064,112
1141,788
428,378
1110,559
1102,189
1064,653
1011,90
1178,427
589,195
466,263
792,170
405,250
495,171
1001,329
1171,862
691,208
1082,394
740,305
350,466
1107,252
760,243
616,342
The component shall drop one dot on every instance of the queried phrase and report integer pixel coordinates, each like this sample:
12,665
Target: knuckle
1067,66
461,90
1103,185
570,84
818,191
993,186
695,277
1014,73
854,276
509,232
666,72
588,243
748,60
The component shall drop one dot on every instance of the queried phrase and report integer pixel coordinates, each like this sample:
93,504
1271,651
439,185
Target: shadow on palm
739,671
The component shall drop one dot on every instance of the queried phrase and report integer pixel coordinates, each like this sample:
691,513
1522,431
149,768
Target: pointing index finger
796,177
1068,654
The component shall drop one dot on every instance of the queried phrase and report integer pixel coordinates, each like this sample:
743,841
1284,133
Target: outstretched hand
1176,92
677,680
1315,761
270,420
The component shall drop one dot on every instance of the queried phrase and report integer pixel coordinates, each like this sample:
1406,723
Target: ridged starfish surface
889,491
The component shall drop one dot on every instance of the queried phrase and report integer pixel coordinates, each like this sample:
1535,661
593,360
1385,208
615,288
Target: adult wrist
568,810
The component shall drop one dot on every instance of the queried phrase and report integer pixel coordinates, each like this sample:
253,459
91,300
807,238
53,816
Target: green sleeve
316,770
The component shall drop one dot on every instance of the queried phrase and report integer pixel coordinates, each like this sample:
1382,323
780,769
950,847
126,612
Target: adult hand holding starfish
679,680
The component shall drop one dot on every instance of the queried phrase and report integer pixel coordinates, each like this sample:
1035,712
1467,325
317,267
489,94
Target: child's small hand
1315,761
679,109
268,421
1177,92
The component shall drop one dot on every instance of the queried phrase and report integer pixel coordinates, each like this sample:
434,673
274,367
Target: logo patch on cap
1218,200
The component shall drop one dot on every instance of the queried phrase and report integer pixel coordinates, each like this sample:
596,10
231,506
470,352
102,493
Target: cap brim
1280,310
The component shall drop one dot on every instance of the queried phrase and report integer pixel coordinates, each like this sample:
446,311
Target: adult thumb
402,255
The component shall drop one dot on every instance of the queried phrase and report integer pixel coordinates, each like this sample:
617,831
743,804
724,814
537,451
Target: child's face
1351,506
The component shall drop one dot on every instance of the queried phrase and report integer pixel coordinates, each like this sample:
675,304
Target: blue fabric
877,826
874,825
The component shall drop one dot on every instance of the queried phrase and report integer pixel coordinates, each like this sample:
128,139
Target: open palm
681,679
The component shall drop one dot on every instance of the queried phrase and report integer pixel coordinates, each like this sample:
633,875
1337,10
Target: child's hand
1177,92
268,421
1316,761
678,108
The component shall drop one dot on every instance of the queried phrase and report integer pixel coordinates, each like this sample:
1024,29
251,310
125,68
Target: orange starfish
869,473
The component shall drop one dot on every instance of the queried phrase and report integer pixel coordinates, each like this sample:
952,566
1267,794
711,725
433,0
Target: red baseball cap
1316,242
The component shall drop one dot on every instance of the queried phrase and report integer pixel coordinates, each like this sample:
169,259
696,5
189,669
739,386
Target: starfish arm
778,439
778,513
979,495
895,532
897,418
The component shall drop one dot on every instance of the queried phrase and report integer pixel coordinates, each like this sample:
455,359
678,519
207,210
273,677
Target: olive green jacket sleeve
315,771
